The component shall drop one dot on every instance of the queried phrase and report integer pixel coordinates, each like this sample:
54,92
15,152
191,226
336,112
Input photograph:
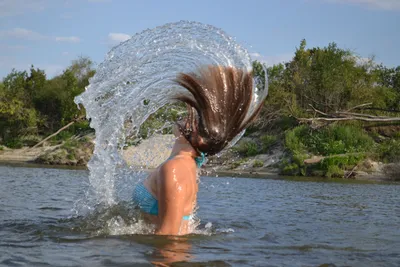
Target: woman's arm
171,199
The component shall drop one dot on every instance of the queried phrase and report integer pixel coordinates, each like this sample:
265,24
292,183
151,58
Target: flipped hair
220,100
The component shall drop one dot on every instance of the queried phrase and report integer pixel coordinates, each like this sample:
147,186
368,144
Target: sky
51,33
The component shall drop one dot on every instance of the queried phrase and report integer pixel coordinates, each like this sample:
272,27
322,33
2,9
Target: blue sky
51,33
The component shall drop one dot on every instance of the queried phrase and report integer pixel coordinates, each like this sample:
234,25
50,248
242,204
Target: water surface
244,222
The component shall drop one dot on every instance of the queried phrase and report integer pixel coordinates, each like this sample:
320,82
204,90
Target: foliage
30,104
334,139
389,151
238,162
258,164
334,171
348,142
316,80
247,148
339,139
328,79
268,141
294,139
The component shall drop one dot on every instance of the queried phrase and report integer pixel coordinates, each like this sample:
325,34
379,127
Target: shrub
247,148
334,172
258,164
267,141
30,140
294,139
290,169
335,139
14,143
339,139
237,163
389,151
252,149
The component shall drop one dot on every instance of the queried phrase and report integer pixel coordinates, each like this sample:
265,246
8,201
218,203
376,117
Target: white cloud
115,38
70,39
271,60
12,47
10,8
379,4
21,33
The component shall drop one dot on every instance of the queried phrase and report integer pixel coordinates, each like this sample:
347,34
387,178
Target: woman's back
174,185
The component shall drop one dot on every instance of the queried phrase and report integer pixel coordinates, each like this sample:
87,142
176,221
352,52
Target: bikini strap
200,160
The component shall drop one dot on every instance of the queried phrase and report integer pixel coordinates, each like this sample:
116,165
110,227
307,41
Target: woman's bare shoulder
178,169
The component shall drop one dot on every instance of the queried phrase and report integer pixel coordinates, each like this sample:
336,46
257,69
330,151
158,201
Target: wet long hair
220,98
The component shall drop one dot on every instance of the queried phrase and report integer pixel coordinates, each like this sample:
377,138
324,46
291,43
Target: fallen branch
360,115
379,119
347,115
351,172
359,106
59,131
318,111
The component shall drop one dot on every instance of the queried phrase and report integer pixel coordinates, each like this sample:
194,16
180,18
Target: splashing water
136,79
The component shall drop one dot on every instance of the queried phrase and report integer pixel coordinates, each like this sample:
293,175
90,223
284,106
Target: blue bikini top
147,202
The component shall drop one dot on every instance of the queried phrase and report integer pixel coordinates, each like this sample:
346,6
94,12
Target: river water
244,222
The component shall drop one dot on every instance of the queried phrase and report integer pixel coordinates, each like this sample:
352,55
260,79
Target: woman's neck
183,148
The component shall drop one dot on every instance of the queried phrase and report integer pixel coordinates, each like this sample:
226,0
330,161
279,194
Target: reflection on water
244,222
171,250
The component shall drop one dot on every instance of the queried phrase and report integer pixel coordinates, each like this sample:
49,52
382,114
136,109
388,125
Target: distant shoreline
205,172
209,172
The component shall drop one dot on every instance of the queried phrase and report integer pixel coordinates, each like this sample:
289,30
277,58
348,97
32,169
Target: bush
336,165
389,151
237,163
267,141
71,144
334,172
252,149
30,140
247,148
258,164
338,139
332,140
294,139
290,169
14,143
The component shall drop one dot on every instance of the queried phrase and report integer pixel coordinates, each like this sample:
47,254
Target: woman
220,98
